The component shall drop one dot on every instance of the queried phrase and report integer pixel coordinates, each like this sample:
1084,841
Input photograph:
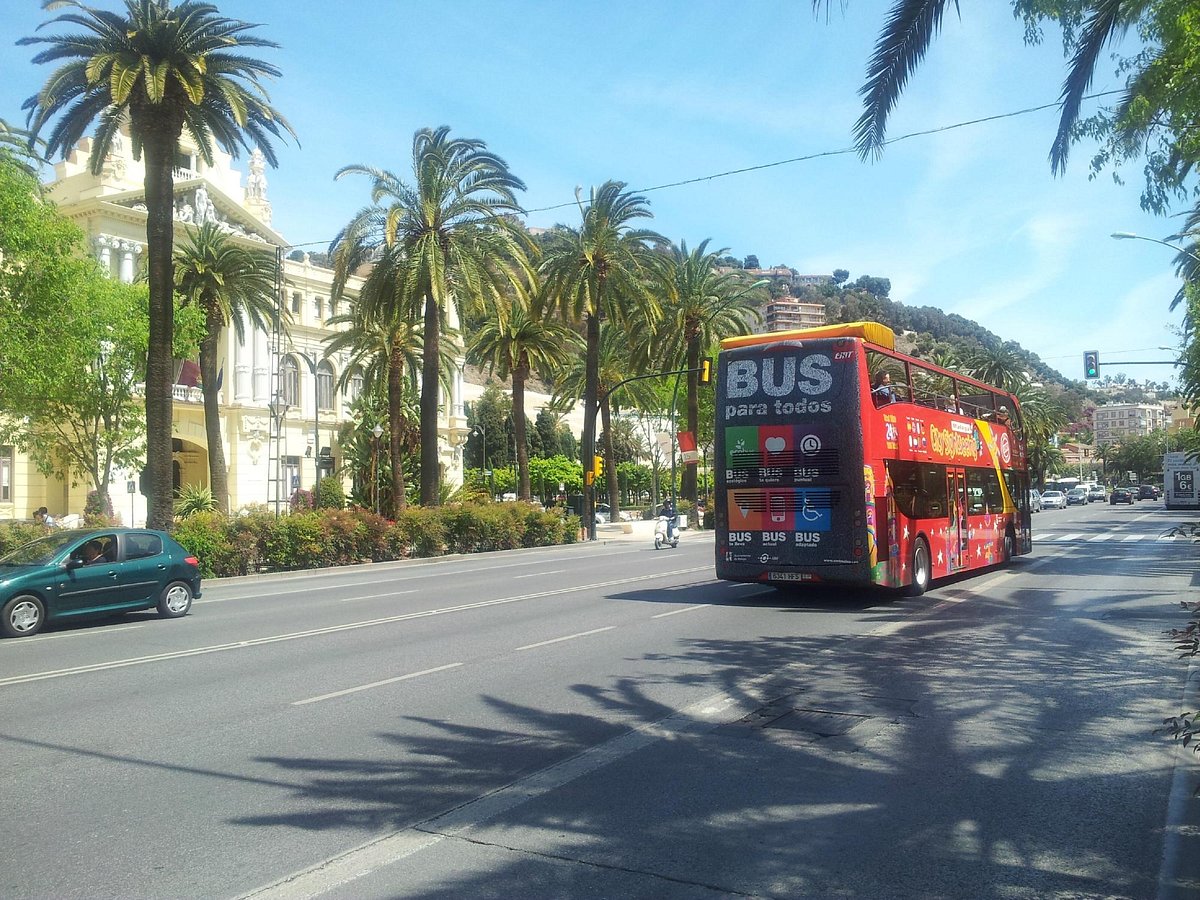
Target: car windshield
39,552
1051,494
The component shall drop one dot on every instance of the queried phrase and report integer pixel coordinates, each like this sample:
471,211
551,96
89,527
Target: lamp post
480,430
278,408
377,431
1130,236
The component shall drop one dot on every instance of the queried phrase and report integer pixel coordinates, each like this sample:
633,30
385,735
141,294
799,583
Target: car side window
139,546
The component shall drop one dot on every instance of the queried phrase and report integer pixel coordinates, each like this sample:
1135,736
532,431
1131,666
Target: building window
325,386
356,386
289,382
319,306
6,474
291,474
296,302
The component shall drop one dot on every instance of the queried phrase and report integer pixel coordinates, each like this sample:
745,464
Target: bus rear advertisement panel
789,448
821,478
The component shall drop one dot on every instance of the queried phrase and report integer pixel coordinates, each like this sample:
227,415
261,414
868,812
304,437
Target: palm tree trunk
687,487
518,416
217,476
610,465
158,149
430,467
591,391
395,400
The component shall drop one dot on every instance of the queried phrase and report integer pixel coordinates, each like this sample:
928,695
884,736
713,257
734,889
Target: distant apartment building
1115,422
786,313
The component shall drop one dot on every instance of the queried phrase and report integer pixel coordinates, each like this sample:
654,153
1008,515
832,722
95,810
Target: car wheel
175,601
921,571
23,615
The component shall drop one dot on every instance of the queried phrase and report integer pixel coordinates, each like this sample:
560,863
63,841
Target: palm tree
231,284
910,29
513,341
456,248
700,306
598,270
23,148
1000,365
385,344
158,70
616,360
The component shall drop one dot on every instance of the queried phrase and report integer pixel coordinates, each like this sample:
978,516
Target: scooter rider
668,510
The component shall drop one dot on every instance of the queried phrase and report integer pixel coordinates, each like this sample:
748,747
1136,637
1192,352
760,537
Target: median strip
332,629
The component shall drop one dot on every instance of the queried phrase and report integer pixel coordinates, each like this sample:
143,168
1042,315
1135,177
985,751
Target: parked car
1121,495
85,572
603,513
1077,495
1035,501
1054,500
1096,492
1147,492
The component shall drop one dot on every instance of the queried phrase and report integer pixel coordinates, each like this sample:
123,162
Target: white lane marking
1070,537
333,629
539,574
399,576
1133,537
1106,536
57,637
376,596
375,684
676,612
569,637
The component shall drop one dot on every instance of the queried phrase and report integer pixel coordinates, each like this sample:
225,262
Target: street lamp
1130,236
480,430
278,408
378,432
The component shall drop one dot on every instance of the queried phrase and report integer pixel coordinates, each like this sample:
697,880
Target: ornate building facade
280,411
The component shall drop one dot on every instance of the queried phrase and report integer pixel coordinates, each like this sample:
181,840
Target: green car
85,572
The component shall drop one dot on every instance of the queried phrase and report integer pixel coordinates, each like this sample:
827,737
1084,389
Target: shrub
420,530
463,528
18,534
206,535
98,509
301,500
298,541
330,494
193,499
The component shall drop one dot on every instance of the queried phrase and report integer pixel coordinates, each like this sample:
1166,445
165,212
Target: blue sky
969,220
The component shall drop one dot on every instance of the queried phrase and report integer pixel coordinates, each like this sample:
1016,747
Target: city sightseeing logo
954,443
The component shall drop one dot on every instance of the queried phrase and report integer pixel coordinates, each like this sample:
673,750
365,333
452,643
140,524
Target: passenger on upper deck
882,391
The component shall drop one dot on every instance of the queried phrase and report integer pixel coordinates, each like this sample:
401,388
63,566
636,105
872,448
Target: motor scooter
660,535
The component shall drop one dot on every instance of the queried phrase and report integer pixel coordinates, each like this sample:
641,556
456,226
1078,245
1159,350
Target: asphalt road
608,720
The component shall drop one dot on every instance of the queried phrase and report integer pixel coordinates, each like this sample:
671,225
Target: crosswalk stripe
1070,537
1107,536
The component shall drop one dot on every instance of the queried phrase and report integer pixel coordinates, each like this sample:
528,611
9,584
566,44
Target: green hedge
310,539
256,540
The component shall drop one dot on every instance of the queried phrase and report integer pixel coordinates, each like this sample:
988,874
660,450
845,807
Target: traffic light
706,371
598,465
1091,364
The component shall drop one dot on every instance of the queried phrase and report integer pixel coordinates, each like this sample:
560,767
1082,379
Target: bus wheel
1010,546
921,572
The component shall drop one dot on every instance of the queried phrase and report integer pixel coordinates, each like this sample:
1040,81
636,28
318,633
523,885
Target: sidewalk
641,530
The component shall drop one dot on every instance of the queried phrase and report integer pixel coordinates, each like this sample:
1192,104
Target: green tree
998,364
453,247
616,360
600,269
512,342
229,284
73,340
158,70
699,305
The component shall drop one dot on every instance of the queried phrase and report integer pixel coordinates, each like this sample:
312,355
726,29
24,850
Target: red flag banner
687,447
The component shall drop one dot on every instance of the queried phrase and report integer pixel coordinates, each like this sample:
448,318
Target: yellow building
270,448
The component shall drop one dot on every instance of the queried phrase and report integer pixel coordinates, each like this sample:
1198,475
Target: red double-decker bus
841,460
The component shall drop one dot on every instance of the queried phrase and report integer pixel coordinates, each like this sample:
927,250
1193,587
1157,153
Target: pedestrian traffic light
1091,364
706,371
598,465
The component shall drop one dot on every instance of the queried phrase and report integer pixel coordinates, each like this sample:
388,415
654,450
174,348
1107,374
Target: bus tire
921,569
1009,548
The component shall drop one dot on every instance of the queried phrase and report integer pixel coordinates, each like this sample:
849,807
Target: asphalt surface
608,720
